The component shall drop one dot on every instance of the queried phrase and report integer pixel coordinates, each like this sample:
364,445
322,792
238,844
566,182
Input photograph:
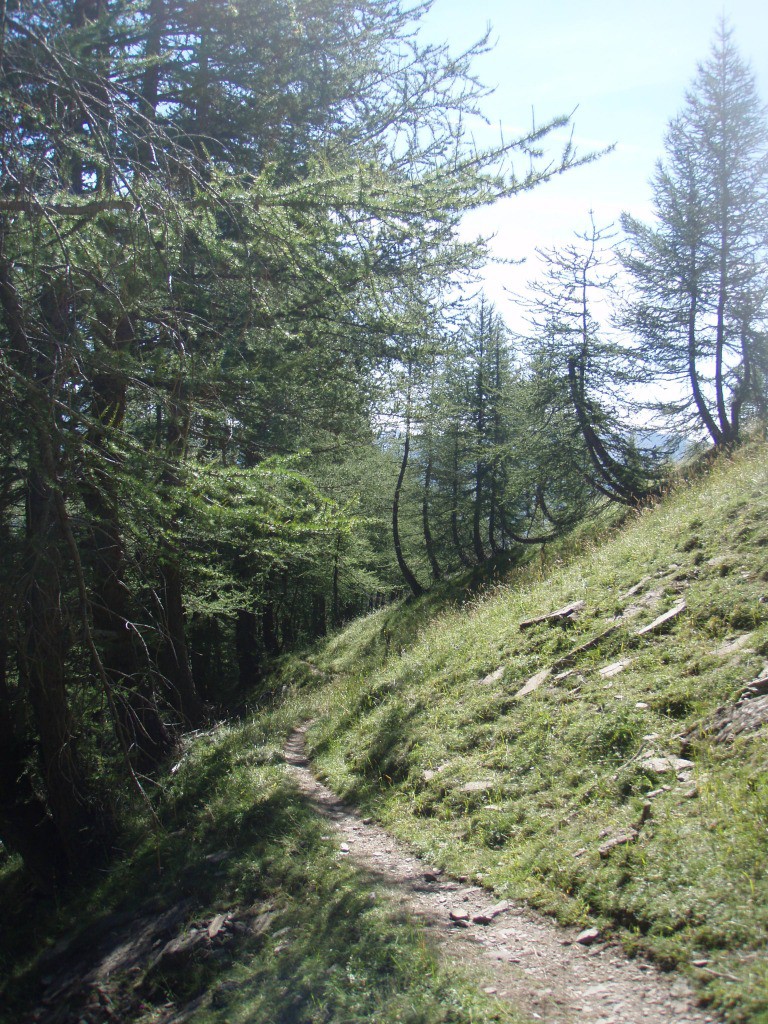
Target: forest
250,386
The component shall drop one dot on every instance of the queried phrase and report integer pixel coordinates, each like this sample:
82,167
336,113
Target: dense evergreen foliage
213,237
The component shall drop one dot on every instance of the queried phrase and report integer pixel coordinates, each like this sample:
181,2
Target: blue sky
624,65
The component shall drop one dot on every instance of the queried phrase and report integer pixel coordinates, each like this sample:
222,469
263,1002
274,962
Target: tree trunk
269,629
25,827
693,376
174,660
477,514
455,503
81,830
318,625
416,588
428,539
140,728
246,630
43,658
174,654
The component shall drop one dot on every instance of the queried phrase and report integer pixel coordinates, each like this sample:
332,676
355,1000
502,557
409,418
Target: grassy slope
399,695
401,731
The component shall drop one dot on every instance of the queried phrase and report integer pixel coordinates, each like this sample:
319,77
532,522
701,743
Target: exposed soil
518,955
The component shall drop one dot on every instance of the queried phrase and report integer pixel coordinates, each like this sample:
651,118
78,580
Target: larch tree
587,370
699,274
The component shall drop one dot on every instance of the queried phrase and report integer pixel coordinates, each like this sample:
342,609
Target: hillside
607,765
521,756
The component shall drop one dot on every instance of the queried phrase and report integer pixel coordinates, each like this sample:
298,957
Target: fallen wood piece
634,590
568,612
747,714
498,908
720,974
620,840
757,687
733,645
566,659
534,682
662,620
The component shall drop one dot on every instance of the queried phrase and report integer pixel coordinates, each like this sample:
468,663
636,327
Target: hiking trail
514,953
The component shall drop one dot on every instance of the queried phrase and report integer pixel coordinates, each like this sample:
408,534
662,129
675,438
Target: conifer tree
699,274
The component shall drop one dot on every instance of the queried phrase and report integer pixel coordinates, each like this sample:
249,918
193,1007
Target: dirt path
518,955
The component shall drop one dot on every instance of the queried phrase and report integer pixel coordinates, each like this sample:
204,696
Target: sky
622,67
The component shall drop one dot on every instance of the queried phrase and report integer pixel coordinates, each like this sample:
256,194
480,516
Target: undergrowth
233,837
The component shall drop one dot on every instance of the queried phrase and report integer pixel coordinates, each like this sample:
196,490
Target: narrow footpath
514,953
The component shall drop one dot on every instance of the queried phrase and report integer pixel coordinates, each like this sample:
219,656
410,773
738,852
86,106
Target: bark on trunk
416,588
455,503
174,654
246,647
428,539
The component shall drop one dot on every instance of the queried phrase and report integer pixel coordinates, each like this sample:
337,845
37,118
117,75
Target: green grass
402,726
404,719
233,835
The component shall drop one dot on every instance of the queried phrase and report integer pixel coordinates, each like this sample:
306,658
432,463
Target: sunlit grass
402,733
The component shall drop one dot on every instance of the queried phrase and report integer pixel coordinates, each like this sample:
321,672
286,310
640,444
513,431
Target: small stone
699,963
216,925
489,990
480,786
367,821
580,852
588,936
660,765
640,704
432,876
609,671
459,915
344,847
